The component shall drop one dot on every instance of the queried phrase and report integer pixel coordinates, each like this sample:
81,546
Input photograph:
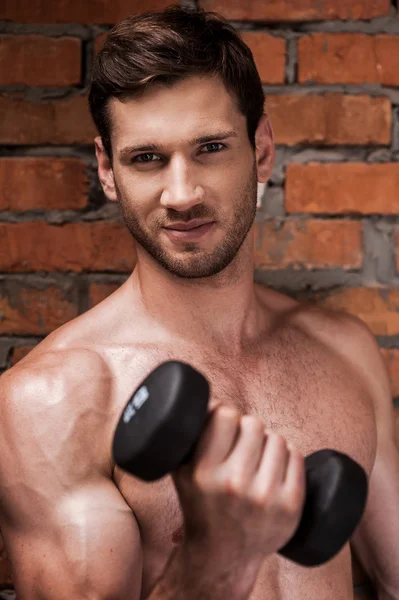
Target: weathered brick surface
269,55
342,187
40,61
75,11
331,119
43,183
307,244
298,10
377,307
348,58
38,246
47,122
29,310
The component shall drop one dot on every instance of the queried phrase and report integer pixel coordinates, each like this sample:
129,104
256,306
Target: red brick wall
327,228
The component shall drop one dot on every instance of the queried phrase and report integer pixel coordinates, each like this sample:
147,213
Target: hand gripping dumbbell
162,422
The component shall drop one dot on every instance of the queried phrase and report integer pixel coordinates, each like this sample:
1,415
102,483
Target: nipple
178,535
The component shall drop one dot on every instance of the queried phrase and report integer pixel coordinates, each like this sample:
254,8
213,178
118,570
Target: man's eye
136,158
213,144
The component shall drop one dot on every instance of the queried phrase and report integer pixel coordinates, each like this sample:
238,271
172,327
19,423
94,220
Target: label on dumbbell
135,403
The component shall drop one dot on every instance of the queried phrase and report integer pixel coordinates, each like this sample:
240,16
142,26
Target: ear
105,172
265,152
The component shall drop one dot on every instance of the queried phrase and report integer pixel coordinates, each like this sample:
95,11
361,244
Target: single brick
348,58
269,55
27,310
37,60
377,307
391,357
298,10
341,188
48,122
43,183
309,244
100,291
331,119
75,11
38,246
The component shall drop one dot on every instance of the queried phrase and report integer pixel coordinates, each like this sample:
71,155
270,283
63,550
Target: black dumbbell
162,422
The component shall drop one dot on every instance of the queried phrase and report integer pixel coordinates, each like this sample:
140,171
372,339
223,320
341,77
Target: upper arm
376,539
67,530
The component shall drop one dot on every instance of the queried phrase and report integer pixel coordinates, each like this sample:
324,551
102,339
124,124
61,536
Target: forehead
174,114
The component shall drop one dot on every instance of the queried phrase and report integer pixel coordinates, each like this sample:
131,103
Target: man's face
178,182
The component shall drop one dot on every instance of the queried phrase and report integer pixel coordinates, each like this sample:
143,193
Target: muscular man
183,144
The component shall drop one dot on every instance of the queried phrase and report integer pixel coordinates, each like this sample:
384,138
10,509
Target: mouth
186,235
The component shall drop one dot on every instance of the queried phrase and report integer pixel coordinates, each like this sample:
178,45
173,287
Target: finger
295,480
245,457
218,437
274,462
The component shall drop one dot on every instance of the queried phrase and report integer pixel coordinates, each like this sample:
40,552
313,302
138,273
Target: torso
299,385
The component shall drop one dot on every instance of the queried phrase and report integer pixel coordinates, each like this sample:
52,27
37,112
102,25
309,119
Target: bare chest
309,397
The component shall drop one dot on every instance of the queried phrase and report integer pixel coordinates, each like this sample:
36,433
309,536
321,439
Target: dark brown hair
166,47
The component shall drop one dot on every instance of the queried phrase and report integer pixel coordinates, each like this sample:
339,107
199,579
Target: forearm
187,579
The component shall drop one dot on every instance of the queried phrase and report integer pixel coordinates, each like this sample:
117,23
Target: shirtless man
286,380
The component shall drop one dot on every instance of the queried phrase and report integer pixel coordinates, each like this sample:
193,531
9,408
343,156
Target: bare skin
295,381
73,523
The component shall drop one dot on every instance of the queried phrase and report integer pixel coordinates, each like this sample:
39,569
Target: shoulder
58,397
50,368
352,340
342,332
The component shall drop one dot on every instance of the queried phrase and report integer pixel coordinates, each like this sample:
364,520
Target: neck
222,311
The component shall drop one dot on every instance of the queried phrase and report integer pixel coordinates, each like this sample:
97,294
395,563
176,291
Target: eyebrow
220,135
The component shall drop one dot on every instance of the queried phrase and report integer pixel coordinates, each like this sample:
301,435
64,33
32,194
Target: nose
181,192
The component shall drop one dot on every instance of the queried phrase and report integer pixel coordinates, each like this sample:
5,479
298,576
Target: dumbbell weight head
162,421
336,494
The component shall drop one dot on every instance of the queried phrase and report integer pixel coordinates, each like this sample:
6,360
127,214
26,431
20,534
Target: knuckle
227,413
290,508
262,497
252,422
277,439
233,485
294,498
201,478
